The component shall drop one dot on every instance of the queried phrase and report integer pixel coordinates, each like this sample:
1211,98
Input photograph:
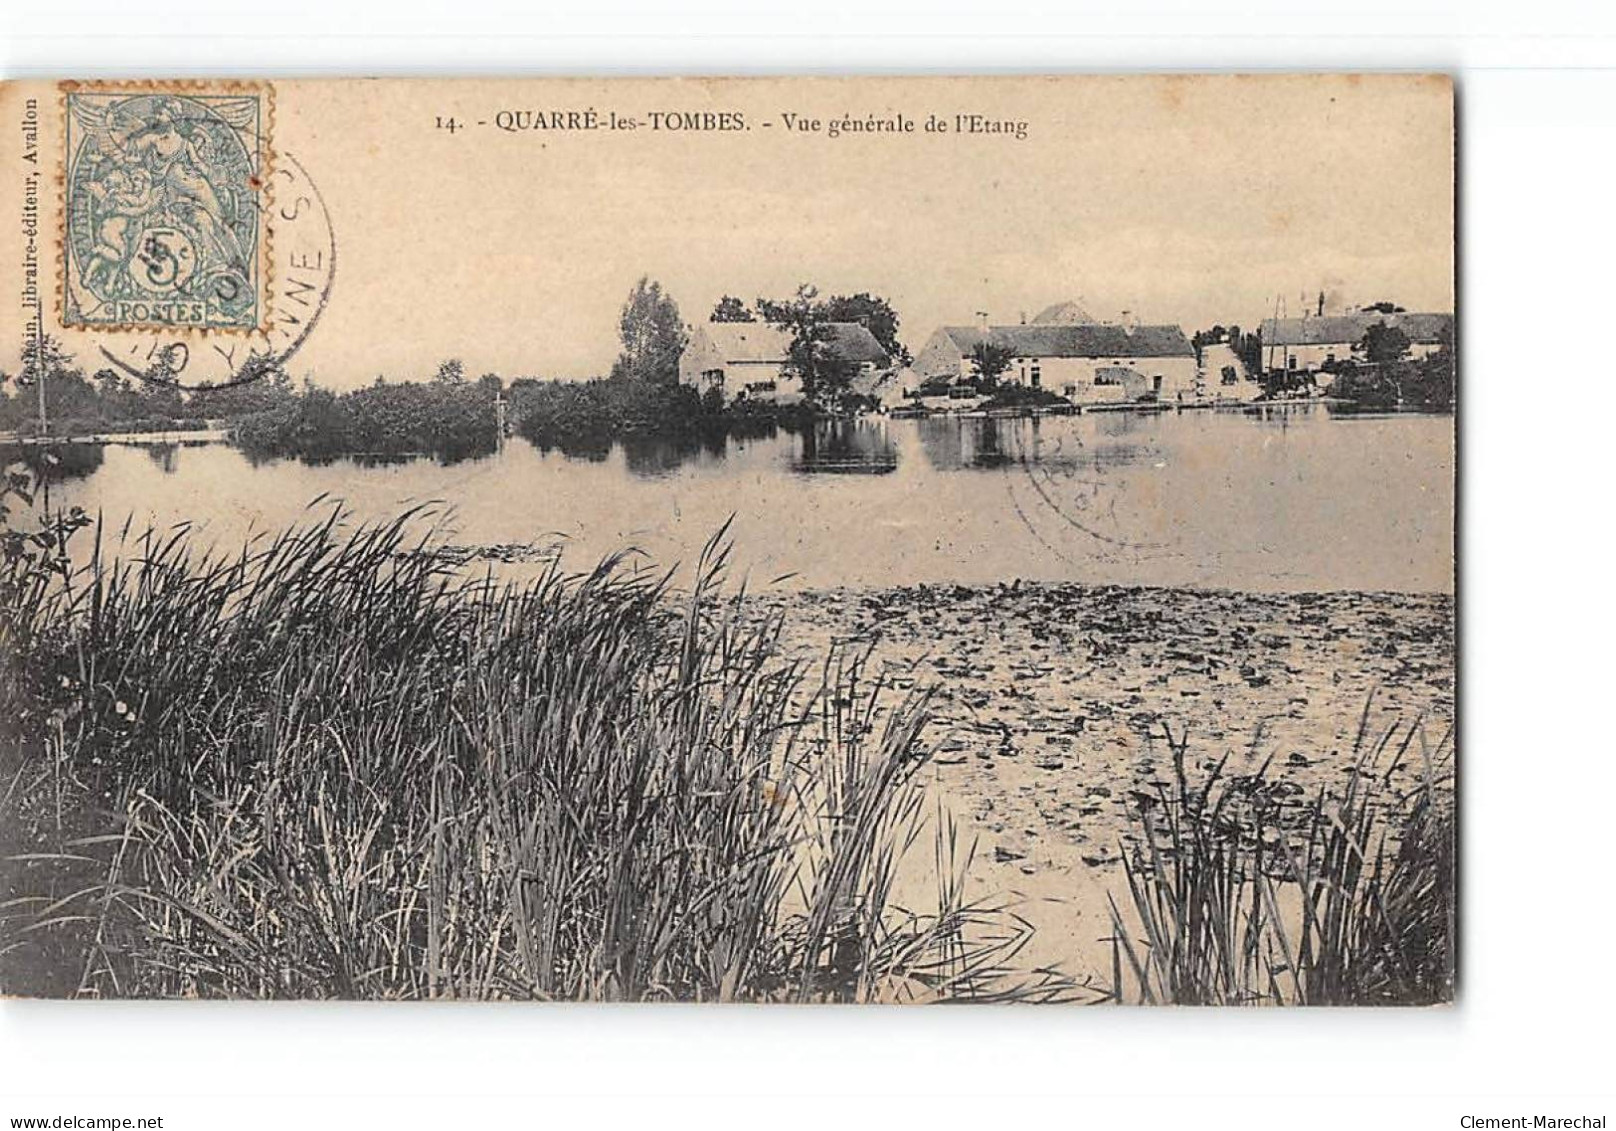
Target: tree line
450,416
447,416
642,394
77,403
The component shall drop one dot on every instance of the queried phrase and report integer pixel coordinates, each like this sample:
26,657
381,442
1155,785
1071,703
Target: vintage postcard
730,540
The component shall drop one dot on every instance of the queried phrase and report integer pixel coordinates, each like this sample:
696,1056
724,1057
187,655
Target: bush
1018,396
1372,386
446,419
1427,383
114,401
1430,384
559,413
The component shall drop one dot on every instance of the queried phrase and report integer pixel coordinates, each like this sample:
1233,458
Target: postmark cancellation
164,196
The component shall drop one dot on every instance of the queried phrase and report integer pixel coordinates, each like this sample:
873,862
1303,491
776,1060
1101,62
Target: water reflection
991,444
959,444
163,455
833,447
587,446
1277,498
846,447
54,463
657,456
1094,442
1090,443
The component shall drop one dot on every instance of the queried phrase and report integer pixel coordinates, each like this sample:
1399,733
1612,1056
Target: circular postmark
1068,484
297,226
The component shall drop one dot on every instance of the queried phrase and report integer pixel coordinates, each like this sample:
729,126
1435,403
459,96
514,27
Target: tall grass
328,766
1237,896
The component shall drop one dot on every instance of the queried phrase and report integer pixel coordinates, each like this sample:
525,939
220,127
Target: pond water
1285,498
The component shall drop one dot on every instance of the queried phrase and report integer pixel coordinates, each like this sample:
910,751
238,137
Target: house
1307,345
888,388
750,359
1065,351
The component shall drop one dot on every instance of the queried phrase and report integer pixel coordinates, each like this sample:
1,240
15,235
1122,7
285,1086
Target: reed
1237,896
328,765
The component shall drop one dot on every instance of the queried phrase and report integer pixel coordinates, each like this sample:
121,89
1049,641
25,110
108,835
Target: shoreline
463,555
741,422
158,436
1022,585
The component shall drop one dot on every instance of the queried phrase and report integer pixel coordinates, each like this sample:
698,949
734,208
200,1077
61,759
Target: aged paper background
463,230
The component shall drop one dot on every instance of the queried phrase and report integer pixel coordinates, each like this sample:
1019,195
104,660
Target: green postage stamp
164,191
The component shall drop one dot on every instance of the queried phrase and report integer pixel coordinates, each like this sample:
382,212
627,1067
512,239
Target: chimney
1130,321
1023,317
982,320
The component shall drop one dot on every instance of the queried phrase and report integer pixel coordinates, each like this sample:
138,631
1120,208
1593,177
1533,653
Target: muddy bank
1053,702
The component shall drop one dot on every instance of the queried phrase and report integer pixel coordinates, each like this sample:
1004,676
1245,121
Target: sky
1195,200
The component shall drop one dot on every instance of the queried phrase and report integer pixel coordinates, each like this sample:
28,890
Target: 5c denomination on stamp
165,193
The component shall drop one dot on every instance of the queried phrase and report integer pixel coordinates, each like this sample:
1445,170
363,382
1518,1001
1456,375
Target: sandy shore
1053,702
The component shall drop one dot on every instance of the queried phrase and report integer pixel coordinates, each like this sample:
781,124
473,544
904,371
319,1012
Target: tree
450,372
1382,343
875,314
1372,386
775,312
989,360
1248,348
271,391
66,392
825,376
1202,338
44,354
652,333
1383,307
1432,383
732,309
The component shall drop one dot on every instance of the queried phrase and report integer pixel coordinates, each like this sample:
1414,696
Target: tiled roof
1092,340
1349,329
766,343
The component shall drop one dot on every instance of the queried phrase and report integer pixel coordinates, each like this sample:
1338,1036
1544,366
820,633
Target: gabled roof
852,341
1093,340
1064,314
747,341
1349,329
764,343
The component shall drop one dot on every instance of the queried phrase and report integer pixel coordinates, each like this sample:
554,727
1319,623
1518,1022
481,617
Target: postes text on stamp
163,211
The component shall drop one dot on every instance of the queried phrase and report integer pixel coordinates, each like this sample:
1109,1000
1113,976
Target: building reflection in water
846,447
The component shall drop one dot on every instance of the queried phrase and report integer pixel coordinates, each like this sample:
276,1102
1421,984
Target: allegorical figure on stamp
163,221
